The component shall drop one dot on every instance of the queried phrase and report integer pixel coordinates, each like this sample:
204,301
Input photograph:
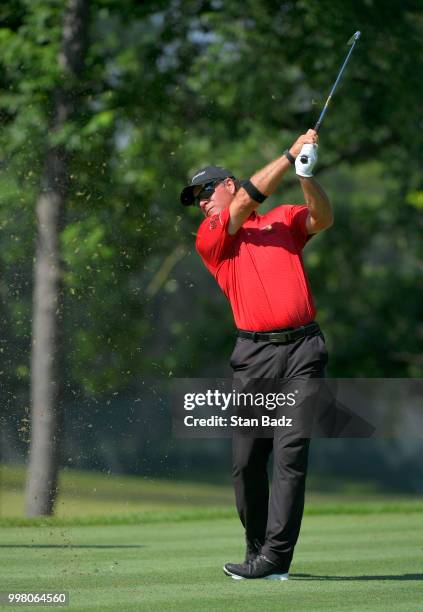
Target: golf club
352,41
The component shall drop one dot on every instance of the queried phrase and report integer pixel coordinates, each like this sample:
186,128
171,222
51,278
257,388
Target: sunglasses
206,191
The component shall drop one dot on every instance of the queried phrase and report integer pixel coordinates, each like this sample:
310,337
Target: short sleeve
297,217
213,239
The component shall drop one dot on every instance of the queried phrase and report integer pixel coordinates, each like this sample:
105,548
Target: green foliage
169,87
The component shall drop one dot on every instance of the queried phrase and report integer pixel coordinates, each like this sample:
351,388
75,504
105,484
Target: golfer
256,260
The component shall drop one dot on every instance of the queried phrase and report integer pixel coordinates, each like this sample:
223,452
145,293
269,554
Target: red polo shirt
260,268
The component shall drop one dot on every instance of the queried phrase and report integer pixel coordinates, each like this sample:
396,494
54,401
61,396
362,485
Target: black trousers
275,522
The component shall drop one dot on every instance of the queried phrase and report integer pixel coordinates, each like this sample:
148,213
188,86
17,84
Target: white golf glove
309,155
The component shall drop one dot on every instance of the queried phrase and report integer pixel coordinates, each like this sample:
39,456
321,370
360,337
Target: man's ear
230,185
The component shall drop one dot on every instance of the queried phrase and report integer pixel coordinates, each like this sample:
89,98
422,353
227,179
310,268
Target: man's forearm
265,181
268,178
320,209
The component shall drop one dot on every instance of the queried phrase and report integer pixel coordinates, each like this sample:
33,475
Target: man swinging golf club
256,260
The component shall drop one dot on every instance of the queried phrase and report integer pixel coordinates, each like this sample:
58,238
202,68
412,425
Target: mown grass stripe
203,514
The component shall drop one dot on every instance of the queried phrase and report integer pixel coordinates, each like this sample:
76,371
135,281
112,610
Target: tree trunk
46,410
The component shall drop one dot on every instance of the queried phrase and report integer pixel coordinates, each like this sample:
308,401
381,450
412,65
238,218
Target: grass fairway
342,562
93,496
127,543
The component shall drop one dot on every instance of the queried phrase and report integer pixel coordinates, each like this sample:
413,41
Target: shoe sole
270,577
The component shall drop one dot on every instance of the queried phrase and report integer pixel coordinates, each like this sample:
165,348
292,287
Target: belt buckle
282,337
290,336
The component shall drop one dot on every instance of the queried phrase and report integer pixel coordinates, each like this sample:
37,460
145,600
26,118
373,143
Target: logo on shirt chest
265,229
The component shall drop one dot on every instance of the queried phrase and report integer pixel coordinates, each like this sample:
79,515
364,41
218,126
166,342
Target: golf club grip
304,158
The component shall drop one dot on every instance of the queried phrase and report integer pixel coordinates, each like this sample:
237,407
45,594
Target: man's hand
310,137
306,160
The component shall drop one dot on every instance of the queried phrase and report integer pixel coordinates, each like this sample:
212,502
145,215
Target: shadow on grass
364,578
72,546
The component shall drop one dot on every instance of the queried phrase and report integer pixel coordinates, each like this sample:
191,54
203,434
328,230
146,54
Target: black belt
281,336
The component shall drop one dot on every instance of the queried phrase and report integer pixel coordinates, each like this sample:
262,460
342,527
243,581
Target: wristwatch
289,157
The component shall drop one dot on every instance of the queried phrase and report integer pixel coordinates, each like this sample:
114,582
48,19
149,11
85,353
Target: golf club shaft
352,42
335,85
